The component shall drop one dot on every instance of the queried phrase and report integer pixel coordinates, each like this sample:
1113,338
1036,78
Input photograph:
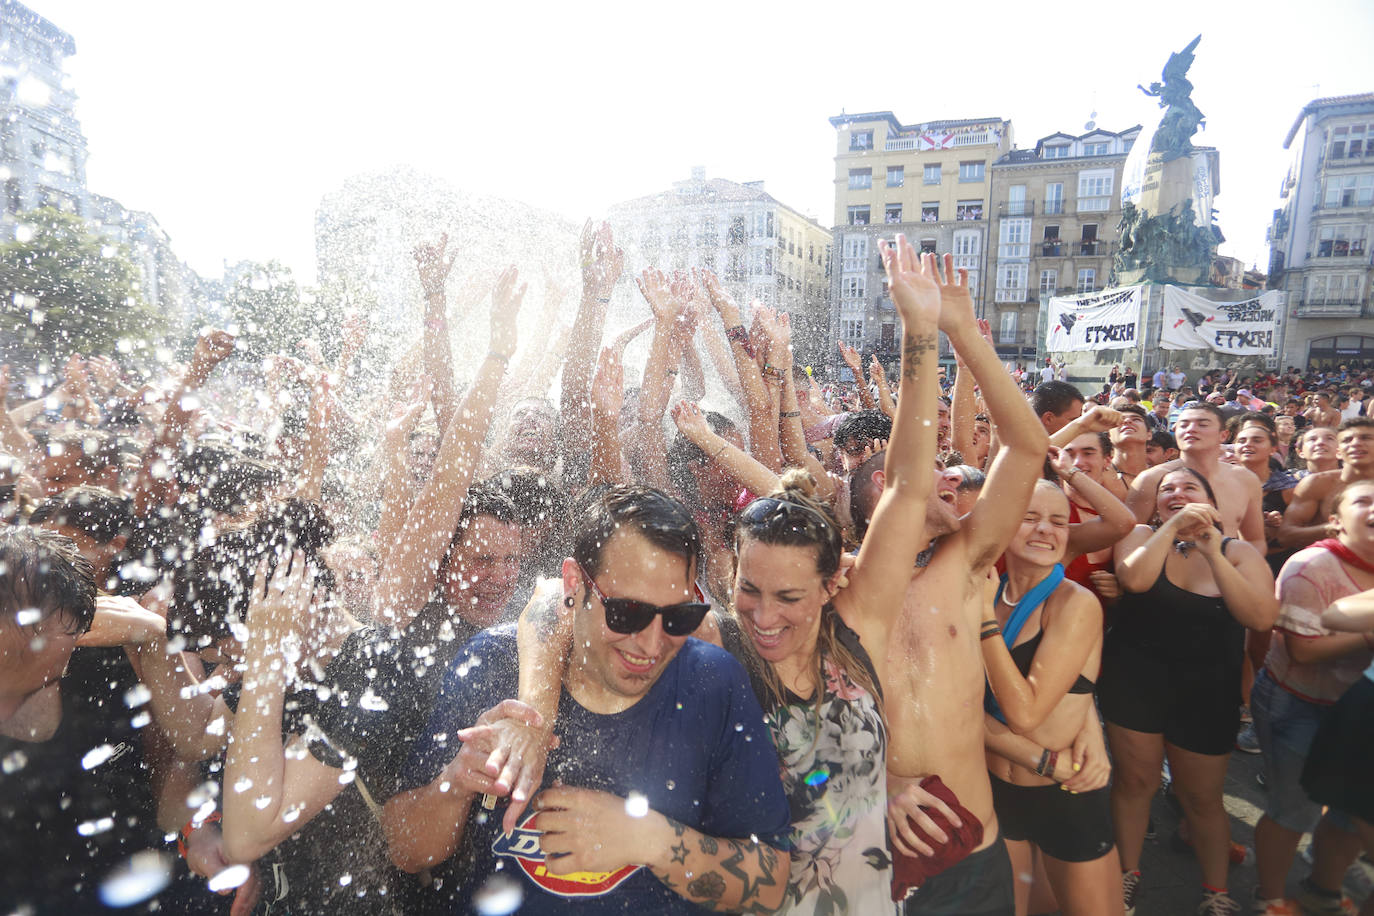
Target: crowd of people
916,645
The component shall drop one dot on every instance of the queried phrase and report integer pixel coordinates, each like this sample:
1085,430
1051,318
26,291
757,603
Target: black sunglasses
766,508
626,615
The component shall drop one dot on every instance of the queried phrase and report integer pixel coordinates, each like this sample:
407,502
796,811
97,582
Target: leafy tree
64,289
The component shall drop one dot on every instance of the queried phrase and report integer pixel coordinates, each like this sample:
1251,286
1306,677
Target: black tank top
1024,654
1173,624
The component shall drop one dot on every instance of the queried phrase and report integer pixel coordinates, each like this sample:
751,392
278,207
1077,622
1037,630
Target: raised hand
622,340
406,413
434,263
608,383
720,300
1098,418
656,288
282,604
212,348
691,422
505,307
121,621
915,284
683,292
851,359
876,371
105,372
602,262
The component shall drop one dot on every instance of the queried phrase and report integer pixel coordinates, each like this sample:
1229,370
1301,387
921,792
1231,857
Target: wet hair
517,497
659,518
42,570
1054,397
970,477
863,425
223,479
806,521
864,493
95,451
683,453
94,511
485,498
211,590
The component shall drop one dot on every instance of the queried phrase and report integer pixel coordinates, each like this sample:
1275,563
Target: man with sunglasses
663,792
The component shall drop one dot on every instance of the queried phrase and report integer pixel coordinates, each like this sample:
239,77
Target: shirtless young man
1129,440
1305,520
1317,449
934,697
1199,432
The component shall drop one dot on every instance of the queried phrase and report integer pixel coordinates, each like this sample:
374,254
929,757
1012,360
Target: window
1096,148
931,174
1011,283
927,246
892,213
1052,233
971,171
1049,282
1341,241
1015,239
855,253
1095,190
763,224
1352,141
1006,328
709,235
860,179
968,209
1088,244
1050,248
738,230
1087,277
1057,151
888,338
1016,201
767,262
1349,191
858,216
861,140
930,212
896,176
1334,289
1054,198
968,244
852,330
734,270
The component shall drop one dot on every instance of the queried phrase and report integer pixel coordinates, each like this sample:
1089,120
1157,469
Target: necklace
1007,598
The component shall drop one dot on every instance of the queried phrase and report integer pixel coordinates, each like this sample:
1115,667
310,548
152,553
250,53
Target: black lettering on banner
1232,340
1109,333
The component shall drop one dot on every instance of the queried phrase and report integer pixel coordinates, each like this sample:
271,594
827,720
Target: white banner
1098,321
1236,328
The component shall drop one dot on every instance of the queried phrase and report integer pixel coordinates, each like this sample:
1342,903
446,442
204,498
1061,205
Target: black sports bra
1024,654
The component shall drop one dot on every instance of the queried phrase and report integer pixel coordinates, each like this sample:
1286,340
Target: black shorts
1195,705
1341,759
1067,827
979,885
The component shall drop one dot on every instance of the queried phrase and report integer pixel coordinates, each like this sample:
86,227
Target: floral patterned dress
834,771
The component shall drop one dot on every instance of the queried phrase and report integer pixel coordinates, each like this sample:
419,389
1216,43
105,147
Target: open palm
913,281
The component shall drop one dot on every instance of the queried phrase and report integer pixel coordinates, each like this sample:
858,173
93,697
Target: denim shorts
1285,725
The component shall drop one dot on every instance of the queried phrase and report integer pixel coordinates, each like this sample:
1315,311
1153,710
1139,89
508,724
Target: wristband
720,451
739,335
790,413
990,630
501,356
191,827
1044,762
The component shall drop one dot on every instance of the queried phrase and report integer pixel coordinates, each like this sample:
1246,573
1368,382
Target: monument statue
1167,230
1174,136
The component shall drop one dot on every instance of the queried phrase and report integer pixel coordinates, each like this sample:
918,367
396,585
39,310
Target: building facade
929,181
759,247
1320,236
42,148
1054,210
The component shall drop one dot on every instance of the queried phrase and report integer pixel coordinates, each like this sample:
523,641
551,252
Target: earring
568,601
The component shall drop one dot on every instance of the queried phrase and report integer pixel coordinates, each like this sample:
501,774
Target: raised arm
720,453
607,397
762,412
434,262
1114,521
1096,419
878,378
409,569
1023,442
601,266
791,429
396,481
874,599
286,788
962,410
851,358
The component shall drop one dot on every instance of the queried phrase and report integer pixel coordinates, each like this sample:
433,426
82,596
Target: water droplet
142,719
137,695
99,825
636,805
345,880
14,762
671,785
230,878
499,896
262,801
243,785
136,879
28,616
739,726
290,814
96,756
373,702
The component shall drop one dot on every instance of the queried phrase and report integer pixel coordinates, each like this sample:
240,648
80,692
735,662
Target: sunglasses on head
627,615
766,508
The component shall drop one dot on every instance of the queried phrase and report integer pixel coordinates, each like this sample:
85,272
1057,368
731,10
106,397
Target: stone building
1319,240
930,181
1055,211
42,148
759,247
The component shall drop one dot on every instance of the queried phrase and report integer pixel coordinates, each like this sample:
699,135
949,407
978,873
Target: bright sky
228,122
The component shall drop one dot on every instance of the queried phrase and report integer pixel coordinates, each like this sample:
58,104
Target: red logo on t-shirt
522,845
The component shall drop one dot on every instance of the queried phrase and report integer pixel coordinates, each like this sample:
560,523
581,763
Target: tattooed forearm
709,886
705,869
914,350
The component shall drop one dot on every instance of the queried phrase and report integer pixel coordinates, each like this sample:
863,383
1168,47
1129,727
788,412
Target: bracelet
191,827
990,630
501,356
772,372
1041,767
739,335
607,299
720,451
790,413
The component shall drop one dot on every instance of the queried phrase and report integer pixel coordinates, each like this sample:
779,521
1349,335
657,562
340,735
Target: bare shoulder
1151,476
1314,486
1072,601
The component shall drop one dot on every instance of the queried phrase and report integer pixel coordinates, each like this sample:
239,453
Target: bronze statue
1173,137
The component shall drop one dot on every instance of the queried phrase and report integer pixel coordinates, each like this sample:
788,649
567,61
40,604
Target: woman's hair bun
798,480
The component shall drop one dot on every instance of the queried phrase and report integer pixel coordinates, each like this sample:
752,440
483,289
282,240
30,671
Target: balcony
968,213
1053,207
1091,249
1094,204
1342,307
1051,250
1016,294
1016,208
899,143
1332,162
1016,340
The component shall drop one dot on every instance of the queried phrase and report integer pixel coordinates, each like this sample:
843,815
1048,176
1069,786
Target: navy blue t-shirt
695,746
